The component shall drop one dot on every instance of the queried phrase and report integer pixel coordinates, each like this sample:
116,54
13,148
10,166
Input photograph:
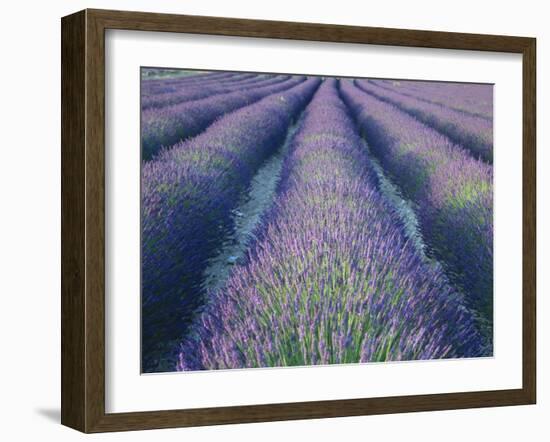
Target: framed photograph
269,220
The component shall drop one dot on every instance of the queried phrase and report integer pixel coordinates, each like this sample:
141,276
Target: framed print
268,220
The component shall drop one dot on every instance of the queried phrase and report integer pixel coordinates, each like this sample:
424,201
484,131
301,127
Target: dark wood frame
83,217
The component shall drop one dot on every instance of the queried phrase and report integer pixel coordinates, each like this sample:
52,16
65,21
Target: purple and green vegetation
165,126
473,133
200,90
473,99
153,86
288,220
338,283
452,190
188,192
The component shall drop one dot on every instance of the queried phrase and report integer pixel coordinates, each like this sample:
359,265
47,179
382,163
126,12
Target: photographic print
300,220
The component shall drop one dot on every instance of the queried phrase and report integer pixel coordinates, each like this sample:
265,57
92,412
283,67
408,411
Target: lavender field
293,220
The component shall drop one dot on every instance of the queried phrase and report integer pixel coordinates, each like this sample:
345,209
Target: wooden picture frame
83,220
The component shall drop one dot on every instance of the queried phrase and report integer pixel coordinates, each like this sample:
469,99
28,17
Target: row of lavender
203,89
453,192
332,277
161,323
473,99
188,192
166,85
472,132
165,126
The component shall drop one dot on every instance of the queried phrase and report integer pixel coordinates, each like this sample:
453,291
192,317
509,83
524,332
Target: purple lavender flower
188,193
471,99
474,133
189,92
453,191
164,85
165,126
332,277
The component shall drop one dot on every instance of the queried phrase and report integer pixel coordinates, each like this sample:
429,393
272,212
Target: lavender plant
473,133
452,191
167,125
188,193
332,277
472,99
189,92
153,86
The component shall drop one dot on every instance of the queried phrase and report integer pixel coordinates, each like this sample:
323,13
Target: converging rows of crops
290,174
471,99
474,133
